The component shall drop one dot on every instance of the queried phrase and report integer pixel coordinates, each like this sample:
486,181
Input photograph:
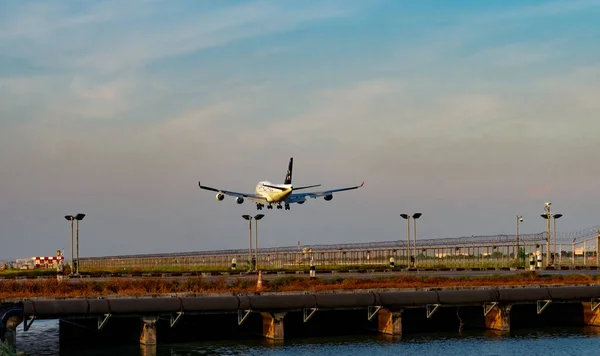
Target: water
42,339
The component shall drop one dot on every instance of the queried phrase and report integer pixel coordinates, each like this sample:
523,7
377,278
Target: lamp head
247,217
259,216
79,216
556,216
404,216
417,215
69,217
520,218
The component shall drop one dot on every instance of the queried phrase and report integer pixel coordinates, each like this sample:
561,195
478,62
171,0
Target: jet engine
239,200
220,196
328,197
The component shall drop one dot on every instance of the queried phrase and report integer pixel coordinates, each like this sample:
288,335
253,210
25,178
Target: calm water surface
42,339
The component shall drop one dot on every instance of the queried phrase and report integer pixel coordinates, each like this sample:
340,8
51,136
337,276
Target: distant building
47,261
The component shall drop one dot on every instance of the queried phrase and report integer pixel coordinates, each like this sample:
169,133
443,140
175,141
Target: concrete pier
10,333
498,317
591,313
272,325
389,322
148,334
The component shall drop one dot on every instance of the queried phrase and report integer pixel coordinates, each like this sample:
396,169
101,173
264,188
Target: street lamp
71,218
573,252
547,216
256,218
249,218
415,217
77,217
519,219
555,216
407,218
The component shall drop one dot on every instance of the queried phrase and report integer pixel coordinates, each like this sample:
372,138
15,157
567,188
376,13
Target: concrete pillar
498,318
10,335
148,334
272,325
590,317
389,322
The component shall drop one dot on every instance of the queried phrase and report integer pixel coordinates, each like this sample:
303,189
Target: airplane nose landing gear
287,206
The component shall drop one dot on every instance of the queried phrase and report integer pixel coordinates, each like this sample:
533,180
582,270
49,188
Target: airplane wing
249,196
301,197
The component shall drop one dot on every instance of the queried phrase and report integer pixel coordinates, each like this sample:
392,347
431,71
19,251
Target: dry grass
139,287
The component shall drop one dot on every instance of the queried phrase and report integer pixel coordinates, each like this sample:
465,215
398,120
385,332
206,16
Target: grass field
140,287
96,272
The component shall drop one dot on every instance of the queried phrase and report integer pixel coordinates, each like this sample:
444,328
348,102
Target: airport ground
247,283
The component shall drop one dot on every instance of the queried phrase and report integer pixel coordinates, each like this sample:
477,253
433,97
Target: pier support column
148,334
272,324
10,335
389,322
498,318
591,317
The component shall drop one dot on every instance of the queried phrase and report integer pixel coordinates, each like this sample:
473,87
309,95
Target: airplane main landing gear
279,206
287,206
270,206
259,206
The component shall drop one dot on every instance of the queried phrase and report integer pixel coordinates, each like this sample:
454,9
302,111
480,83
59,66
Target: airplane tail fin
288,176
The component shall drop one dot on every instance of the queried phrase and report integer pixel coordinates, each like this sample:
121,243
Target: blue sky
468,111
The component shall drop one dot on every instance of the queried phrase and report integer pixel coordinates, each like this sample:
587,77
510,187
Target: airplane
270,194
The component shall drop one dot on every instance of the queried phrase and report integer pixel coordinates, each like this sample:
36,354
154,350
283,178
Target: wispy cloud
130,37
549,8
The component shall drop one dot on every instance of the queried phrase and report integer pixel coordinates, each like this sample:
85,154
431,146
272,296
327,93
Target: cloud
93,61
120,112
128,36
550,8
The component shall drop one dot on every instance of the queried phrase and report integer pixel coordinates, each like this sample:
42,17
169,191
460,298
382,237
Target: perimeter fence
565,249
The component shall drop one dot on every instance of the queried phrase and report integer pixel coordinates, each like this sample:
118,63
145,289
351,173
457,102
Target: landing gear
260,206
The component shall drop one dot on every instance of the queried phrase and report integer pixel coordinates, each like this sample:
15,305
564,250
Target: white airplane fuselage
273,195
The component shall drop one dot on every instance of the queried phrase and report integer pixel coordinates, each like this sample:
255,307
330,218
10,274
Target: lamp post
555,216
77,218
249,218
256,218
71,218
547,216
573,252
415,217
407,218
519,220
